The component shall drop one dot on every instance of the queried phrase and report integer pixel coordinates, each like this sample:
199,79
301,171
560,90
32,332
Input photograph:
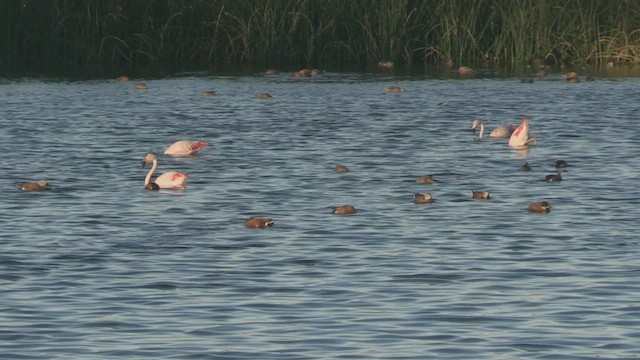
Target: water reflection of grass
273,33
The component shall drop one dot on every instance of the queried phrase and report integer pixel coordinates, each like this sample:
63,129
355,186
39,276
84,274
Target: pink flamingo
502,131
168,180
185,148
520,137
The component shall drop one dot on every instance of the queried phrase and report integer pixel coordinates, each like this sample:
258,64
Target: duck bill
520,136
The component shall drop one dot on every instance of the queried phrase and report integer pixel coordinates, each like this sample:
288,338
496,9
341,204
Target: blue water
99,268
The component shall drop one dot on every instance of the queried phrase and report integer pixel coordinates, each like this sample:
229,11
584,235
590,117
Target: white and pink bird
185,148
502,131
168,180
520,137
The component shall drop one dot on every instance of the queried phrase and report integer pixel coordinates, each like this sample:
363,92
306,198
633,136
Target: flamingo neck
481,131
153,168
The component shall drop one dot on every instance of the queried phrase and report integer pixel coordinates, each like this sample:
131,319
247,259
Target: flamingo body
168,180
172,180
185,148
502,131
520,136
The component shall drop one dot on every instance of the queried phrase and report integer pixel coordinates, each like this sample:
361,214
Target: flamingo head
152,186
475,124
148,158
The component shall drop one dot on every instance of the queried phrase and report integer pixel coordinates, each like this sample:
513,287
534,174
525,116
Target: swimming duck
480,195
560,164
39,186
259,223
540,207
542,72
341,169
386,64
571,77
419,198
344,210
425,179
525,167
302,73
394,88
553,178
464,70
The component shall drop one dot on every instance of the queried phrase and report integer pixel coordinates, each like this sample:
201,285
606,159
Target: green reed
76,34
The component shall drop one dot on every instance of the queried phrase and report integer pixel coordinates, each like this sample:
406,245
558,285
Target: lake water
99,268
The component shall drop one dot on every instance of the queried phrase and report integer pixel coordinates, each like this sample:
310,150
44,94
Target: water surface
99,268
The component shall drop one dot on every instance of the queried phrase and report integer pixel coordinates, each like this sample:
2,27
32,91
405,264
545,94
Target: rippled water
100,268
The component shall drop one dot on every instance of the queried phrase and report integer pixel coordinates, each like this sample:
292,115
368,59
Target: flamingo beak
144,163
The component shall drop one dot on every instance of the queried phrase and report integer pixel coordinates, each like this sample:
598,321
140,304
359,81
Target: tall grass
76,34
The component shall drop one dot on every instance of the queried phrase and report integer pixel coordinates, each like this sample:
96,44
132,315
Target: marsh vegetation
77,34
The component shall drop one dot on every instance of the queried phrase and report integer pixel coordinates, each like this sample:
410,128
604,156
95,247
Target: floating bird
303,73
168,180
344,210
394,88
152,186
39,186
571,77
341,169
419,198
141,86
209,93
122,78
265,96
502,131
464,70
540,207
553,178
425,179
185,147
520,136
480,195
259,223
386,64
525,167
560,164
542,72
